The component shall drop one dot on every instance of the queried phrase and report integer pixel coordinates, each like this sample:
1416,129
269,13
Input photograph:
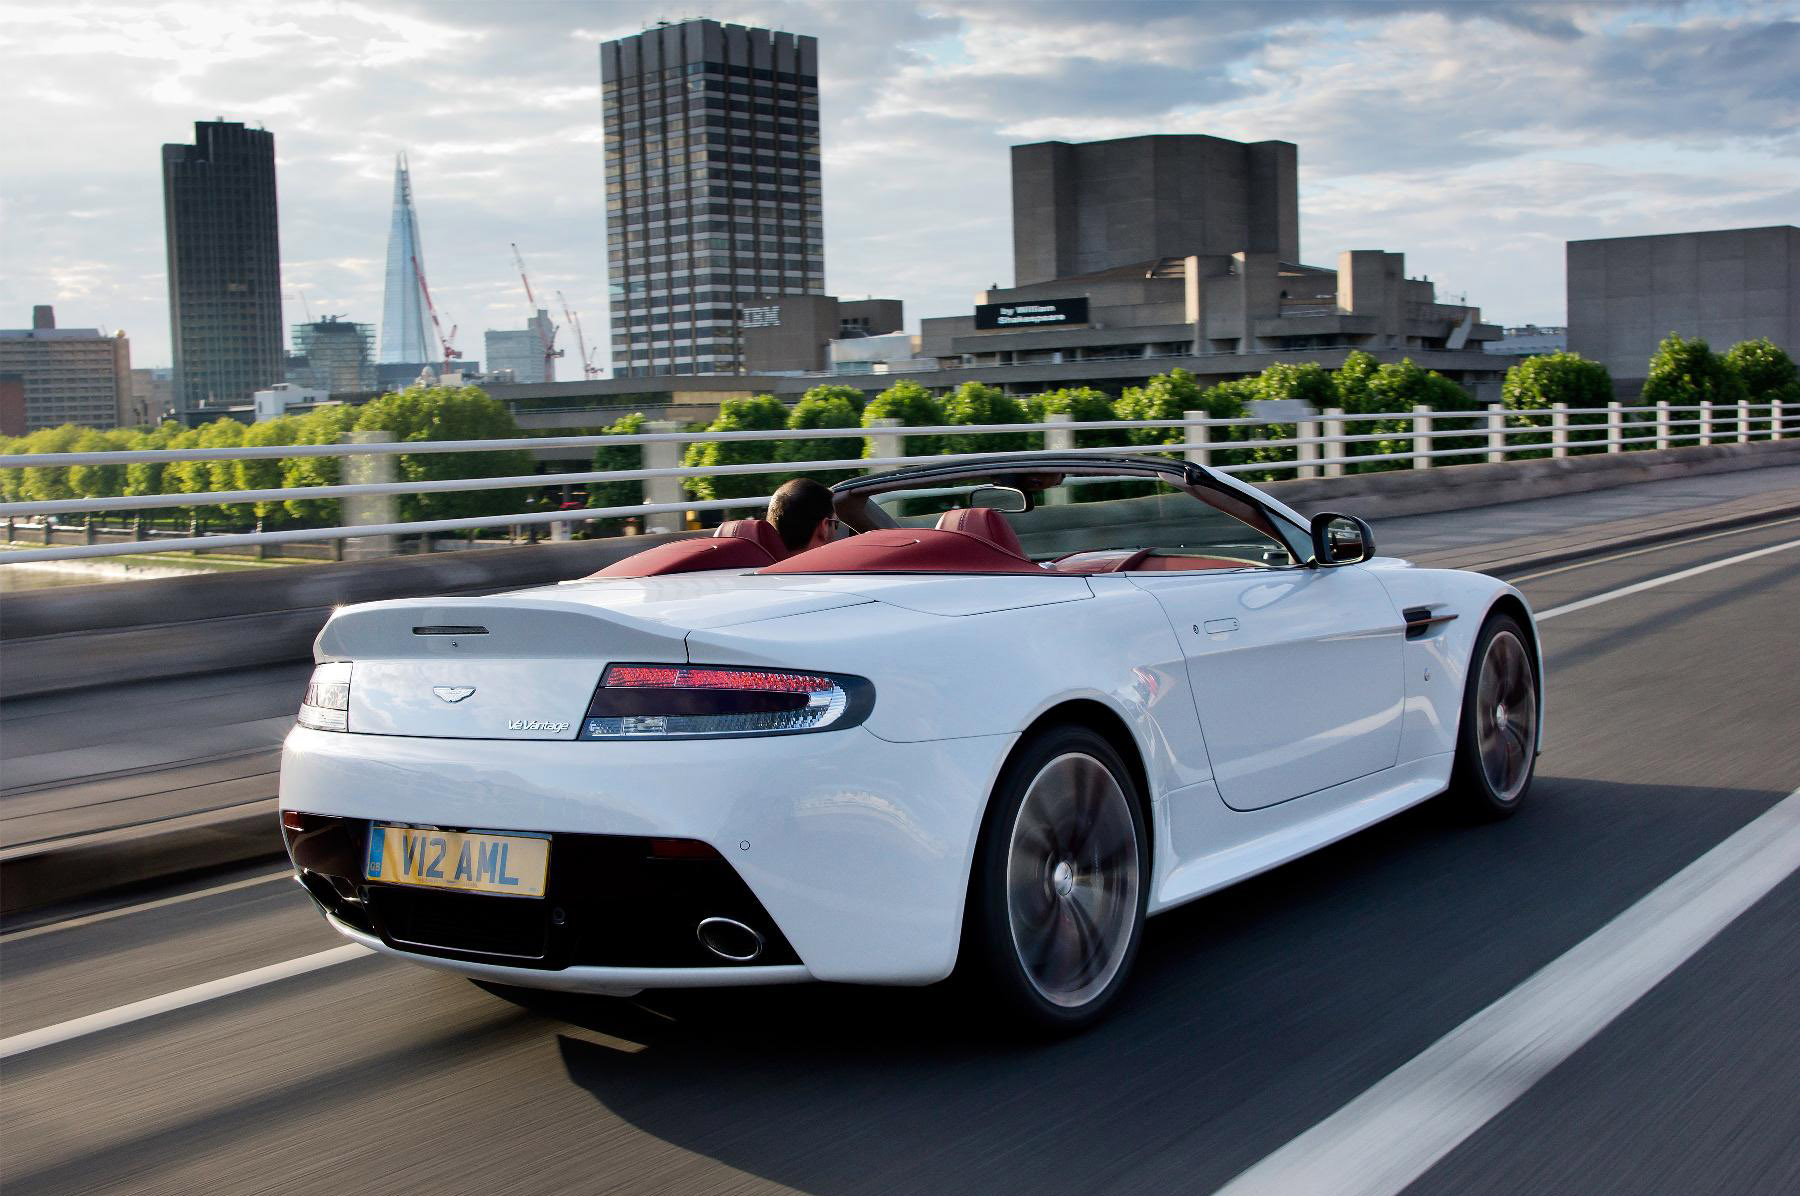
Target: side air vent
1420,620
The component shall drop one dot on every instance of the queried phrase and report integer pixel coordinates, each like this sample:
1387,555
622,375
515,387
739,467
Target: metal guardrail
1318,445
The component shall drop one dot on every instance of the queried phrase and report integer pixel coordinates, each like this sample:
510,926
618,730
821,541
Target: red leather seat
983,523
759,532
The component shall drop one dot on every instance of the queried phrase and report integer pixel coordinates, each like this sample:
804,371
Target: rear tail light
326,706
670,701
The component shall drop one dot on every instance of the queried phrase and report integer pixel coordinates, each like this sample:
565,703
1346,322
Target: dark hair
797,509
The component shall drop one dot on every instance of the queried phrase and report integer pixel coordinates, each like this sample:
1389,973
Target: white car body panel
1316,717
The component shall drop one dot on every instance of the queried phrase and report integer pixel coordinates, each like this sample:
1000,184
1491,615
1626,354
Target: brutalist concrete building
1147,253
1627,293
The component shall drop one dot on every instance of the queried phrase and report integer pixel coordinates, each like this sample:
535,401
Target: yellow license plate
467,861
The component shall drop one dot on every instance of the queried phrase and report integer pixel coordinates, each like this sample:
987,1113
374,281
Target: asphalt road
1674,721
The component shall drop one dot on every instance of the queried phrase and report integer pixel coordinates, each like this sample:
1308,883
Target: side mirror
1341,539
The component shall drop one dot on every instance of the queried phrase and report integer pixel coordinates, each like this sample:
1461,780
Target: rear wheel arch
1104,721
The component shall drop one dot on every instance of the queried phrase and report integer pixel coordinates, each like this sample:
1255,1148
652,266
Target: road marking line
1619,556
1667,578
107,915
93,1023
1393,1133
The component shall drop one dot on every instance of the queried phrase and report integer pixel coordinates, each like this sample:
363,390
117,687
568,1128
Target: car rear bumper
855,850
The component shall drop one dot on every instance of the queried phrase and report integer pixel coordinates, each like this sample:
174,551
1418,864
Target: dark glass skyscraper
224,266
712,188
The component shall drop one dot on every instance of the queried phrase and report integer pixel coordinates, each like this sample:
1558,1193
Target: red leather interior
757,531
988,524
1143,560
691,556
1182,564
908,550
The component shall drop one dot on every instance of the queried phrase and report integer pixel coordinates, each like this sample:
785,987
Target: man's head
801,513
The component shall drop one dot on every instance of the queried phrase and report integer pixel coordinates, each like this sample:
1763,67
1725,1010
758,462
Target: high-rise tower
224,251
403,300
712,188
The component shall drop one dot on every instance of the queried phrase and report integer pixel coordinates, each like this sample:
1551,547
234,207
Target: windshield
1099,522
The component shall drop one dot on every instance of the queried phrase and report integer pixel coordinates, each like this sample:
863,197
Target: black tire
1060,885
1497,735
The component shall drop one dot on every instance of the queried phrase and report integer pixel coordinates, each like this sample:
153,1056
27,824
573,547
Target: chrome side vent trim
1420,619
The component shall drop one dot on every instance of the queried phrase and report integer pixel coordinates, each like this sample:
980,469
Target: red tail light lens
667,701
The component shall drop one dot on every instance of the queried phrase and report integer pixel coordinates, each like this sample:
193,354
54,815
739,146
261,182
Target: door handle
1219,626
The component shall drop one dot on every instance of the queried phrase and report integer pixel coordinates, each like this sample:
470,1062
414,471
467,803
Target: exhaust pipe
729,939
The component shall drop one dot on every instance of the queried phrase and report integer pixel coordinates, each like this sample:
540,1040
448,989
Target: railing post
1615,427
884,439
1777,417
1197,435
1662,424
1421,436
1743,421
363,469
1334,432
1496,433
1057,438
662,454
1306,430
1559,429
1706,421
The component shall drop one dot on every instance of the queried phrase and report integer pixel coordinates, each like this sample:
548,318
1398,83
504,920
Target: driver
802,514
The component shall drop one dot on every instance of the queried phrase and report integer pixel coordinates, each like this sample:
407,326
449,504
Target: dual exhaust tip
729,939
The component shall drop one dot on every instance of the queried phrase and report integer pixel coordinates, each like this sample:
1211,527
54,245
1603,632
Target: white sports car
1017,707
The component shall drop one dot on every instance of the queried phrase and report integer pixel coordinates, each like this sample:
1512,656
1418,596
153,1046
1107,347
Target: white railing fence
1324,445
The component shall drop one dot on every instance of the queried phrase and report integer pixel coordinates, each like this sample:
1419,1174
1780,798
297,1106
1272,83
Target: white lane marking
1665,579
93,1023
106,915
1397,1130
1619,556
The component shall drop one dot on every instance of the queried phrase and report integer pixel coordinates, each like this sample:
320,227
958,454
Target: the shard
403,309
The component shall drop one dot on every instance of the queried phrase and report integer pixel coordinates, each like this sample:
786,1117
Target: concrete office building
224,255
787,334
522,352
712,188
1626,293
68,375
335,356
152,395
1083,208
12,405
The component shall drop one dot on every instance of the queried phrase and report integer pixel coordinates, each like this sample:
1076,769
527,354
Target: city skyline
1475,138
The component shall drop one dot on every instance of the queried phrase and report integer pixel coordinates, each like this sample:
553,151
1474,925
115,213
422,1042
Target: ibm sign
761,317
1039,313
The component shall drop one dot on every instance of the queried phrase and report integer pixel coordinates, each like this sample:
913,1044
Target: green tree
619,456
1082,404
147,477
449,413
1537,384
322,425
914,407
266,474
1167,396
1766,373
825,407
763,413
1398,387
976,403
99,481
1686,372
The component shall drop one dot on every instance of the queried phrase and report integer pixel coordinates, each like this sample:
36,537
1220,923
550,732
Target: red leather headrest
758,531
984,523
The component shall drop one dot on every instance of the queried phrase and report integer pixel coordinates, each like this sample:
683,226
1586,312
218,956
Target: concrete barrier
69,638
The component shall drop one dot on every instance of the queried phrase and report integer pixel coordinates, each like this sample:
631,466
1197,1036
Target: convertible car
1017,706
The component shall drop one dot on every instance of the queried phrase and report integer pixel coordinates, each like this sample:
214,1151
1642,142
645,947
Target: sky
1475,138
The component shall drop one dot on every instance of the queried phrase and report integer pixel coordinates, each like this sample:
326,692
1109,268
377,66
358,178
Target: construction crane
540,319
588,368
438,328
